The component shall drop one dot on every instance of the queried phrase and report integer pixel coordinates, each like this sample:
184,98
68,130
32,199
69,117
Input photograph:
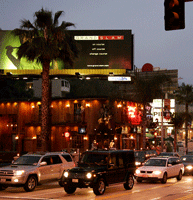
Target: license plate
144,175
3,180
75,180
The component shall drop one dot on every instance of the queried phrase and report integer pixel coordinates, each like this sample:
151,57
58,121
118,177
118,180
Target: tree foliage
184,95
146,89
44,41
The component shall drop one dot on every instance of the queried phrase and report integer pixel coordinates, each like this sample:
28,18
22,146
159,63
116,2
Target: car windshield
167,154
139,154
94,159
155,162
27,160
187,158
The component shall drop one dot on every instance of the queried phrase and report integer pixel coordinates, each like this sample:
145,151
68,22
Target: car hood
88,169
151,168
19,167
187,163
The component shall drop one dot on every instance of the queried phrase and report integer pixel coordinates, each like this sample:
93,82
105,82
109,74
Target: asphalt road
172,190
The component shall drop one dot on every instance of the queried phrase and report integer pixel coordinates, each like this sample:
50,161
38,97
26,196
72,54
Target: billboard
168,106
99,49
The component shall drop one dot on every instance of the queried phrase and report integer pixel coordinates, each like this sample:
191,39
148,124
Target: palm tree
184,95
177,119
44,41
148,88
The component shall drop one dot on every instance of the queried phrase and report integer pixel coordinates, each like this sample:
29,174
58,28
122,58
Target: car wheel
99,187
69,190
3,187
129,183
164,179
139,180
61,183
179,177
30,184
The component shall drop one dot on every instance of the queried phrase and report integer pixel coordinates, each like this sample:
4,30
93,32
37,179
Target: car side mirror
169,165
43,163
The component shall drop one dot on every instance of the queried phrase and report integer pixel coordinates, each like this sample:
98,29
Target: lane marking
137,191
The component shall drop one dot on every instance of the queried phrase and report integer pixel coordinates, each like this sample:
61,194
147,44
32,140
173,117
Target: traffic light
174,14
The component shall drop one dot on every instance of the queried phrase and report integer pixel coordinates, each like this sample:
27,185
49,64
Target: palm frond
56,17
26,24
64,25
43,19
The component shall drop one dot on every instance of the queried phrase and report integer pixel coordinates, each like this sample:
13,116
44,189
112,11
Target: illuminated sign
133,115
99,49
168,108
119,78
111,37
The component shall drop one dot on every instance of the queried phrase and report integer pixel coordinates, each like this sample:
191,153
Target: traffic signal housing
174,14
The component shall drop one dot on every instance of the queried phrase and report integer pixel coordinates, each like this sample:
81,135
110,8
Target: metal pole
162,128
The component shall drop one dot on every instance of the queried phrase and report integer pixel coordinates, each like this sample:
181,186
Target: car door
45,170
173,168
56,167
121,171
176,166
112,175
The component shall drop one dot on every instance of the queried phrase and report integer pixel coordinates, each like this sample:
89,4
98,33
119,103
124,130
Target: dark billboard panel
99,49
104,49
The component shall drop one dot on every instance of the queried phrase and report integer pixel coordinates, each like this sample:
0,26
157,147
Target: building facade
74,124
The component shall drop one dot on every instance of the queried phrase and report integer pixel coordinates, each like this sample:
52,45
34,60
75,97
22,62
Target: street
172,190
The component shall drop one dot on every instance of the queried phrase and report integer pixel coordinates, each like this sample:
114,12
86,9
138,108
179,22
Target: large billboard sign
99,49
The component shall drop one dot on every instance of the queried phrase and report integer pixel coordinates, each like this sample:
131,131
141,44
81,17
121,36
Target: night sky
152,44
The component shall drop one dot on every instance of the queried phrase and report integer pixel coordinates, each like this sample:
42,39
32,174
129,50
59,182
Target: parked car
31,169
187,160
160,169
100,168
169,154
142,155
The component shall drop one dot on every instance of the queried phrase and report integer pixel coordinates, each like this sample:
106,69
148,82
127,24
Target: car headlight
137,163
137,171
157,172
19,172
89,175
66,174
189,167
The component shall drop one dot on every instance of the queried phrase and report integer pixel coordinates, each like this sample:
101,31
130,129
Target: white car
160,169
32,169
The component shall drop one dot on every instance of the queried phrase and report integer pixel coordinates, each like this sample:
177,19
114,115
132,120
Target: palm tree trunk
186,128
144,127
45,106
175,139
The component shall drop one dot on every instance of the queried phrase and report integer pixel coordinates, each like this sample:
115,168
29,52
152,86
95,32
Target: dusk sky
152,44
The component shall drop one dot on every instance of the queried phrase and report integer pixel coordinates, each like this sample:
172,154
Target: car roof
163,157
45,153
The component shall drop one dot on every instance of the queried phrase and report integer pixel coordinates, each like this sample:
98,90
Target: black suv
99,168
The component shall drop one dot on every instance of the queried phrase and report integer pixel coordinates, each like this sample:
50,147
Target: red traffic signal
174,14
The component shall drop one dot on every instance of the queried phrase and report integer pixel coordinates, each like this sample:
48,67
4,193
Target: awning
149,135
